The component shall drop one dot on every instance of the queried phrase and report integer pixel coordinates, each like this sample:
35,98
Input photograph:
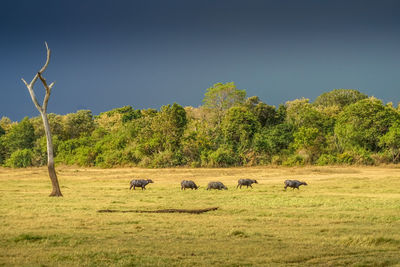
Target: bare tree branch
27,85
41,70
33,96
47,60
48,91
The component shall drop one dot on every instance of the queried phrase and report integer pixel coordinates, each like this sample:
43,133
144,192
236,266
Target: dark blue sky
148,53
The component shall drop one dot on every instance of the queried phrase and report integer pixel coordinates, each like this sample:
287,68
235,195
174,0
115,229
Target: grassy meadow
345,216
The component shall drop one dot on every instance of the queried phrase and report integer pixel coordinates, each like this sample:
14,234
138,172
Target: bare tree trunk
56,192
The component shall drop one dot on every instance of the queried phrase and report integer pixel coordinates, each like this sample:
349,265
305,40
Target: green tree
267,115
117,116
5,123
310,141
78,124
362,124
3,151
79,151
156,136
339,97
2,147
301,113
199,140
20,136
170,125
239,126
221,97
391,141
274,139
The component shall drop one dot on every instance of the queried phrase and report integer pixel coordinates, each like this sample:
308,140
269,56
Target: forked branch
47,87
48,91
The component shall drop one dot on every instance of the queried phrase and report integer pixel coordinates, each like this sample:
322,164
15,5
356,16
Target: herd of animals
186,184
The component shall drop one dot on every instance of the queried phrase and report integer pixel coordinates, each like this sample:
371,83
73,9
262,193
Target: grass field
345,216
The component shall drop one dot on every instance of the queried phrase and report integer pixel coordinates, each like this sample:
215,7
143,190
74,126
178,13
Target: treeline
342,126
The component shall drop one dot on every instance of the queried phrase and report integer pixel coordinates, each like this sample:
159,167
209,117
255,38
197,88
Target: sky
149,53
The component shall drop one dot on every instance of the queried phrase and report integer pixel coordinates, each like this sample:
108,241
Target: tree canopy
340,127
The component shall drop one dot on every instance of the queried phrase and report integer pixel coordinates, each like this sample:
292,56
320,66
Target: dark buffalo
188,184
246,182
216,185
140,183
294,184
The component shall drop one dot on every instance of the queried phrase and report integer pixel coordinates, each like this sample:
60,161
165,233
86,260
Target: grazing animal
188,184
246,182
294,184
216,185
140,183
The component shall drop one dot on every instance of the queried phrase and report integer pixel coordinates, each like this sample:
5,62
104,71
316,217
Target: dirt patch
195,211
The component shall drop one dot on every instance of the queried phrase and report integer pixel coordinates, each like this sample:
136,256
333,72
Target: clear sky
149,53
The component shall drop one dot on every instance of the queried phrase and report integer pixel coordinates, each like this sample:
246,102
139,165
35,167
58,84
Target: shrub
145,162
223,157
294,160
384,157
109,159
364,157
345,158
84,156
167,158
326,159
276,160
20,159
2,151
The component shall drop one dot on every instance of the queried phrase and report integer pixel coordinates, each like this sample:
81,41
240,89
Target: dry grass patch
345,216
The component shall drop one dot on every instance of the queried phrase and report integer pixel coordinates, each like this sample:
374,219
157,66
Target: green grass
344,217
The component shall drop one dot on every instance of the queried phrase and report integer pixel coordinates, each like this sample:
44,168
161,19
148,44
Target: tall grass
345,216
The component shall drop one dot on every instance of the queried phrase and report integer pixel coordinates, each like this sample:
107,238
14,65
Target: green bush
167,158
78,151
109,159
326,159
276,160
223,157
84,156
20,158
363,157
294,160
2,151
384,157
345,158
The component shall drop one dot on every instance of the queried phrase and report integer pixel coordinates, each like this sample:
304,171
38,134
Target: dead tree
56,192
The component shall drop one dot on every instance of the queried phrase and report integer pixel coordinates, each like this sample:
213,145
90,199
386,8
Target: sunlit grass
345,216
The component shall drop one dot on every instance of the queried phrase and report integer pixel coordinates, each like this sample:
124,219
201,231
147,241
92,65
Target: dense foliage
342,126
